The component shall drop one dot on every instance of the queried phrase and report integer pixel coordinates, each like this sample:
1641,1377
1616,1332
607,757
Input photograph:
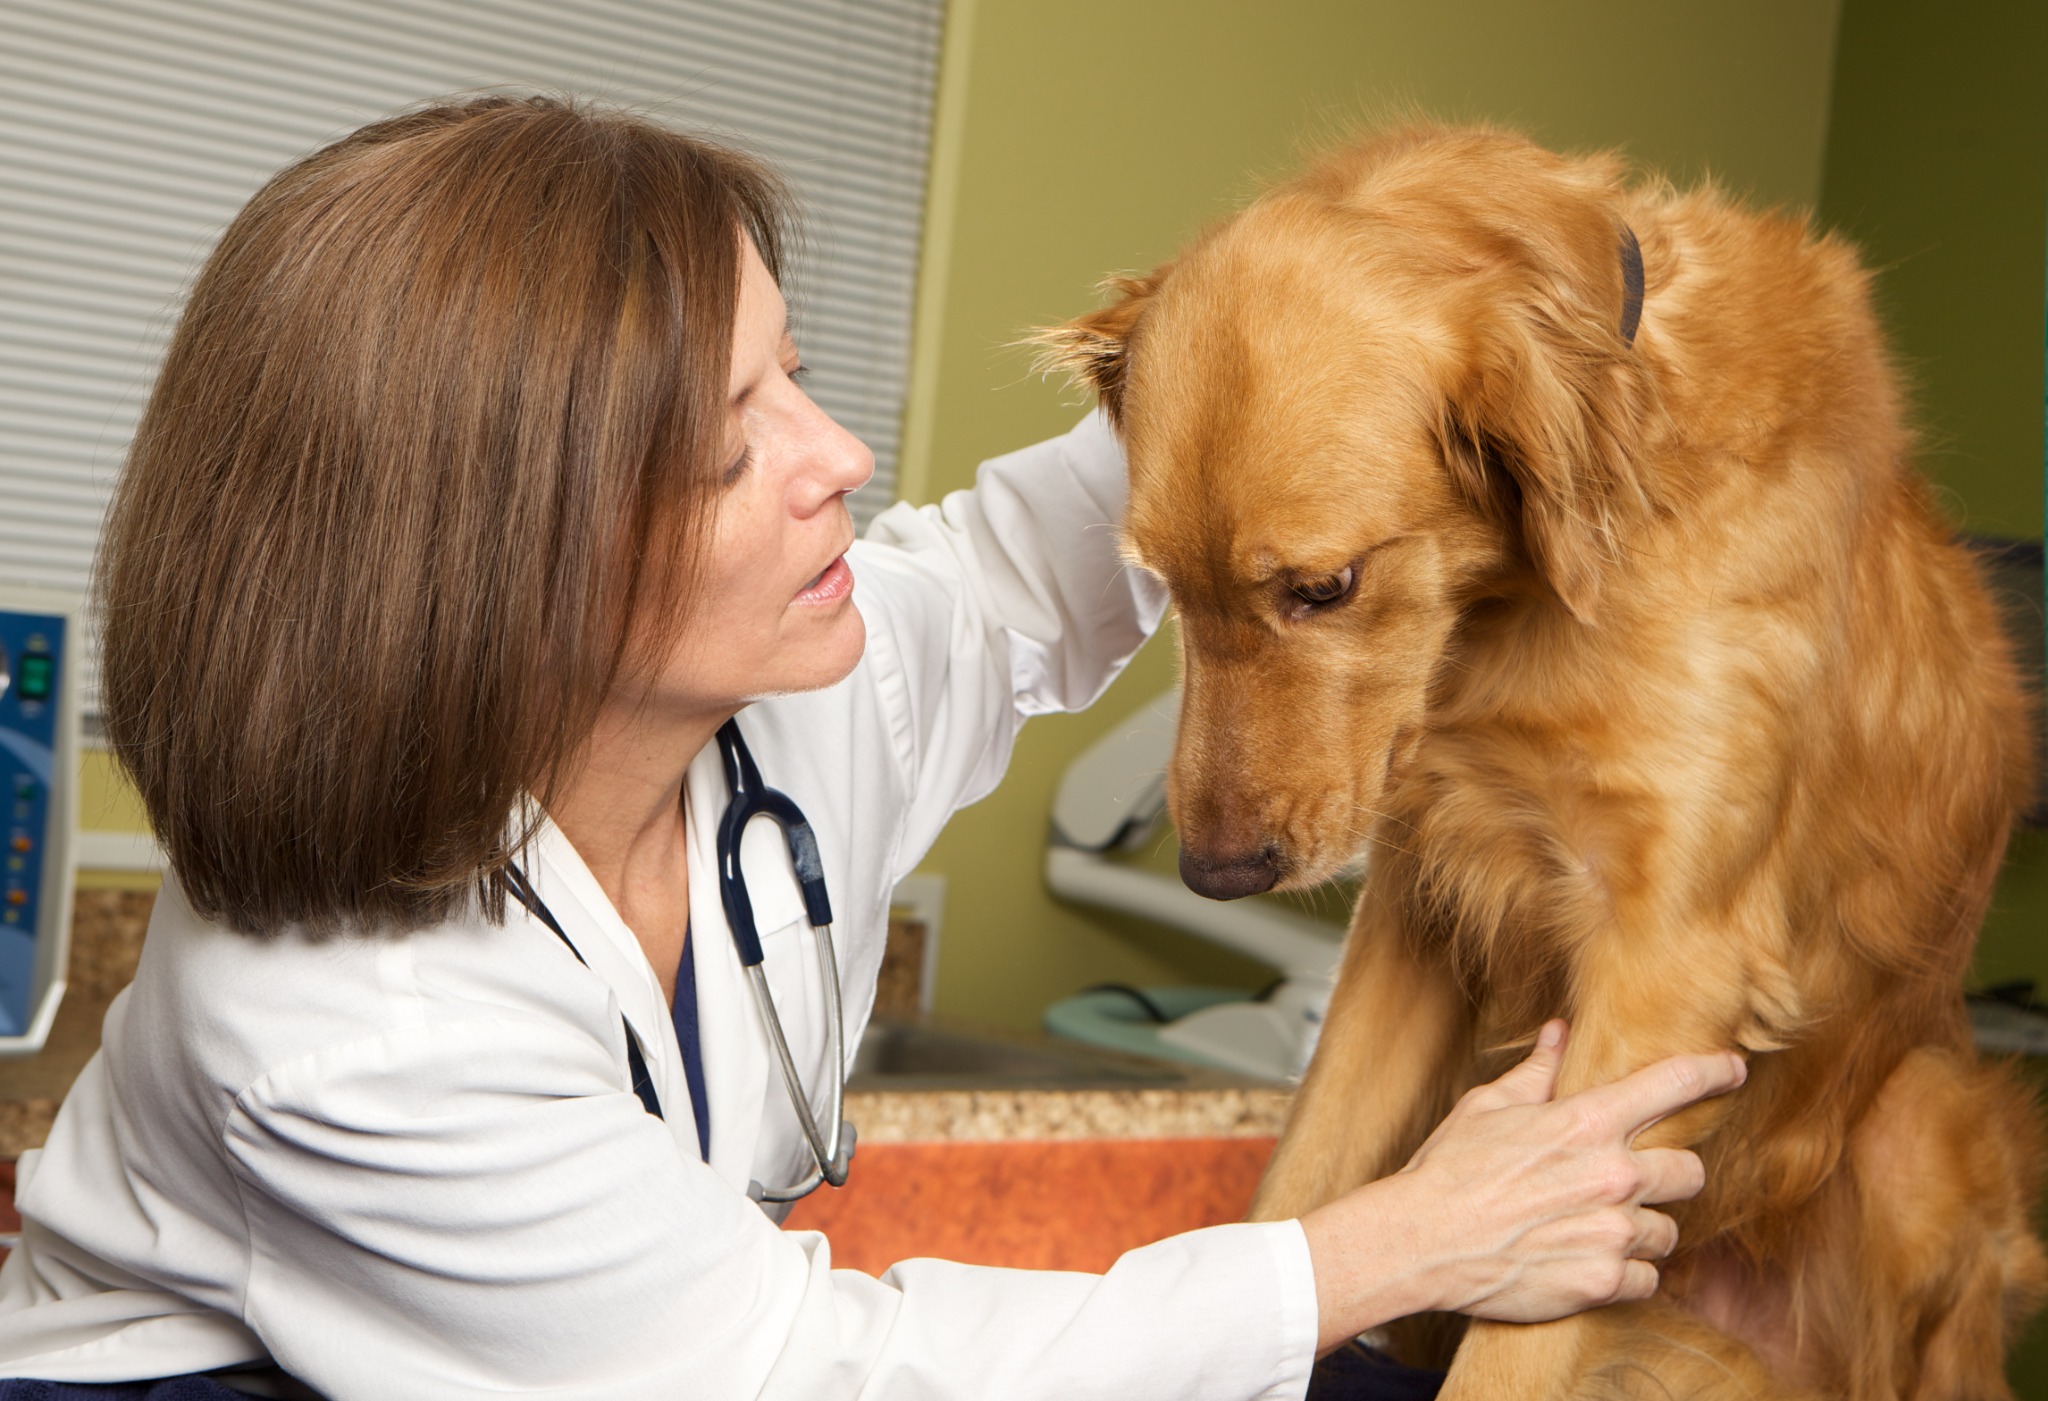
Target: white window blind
131,131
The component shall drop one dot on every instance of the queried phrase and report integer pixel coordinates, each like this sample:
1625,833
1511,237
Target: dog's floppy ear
1547,425
1094,350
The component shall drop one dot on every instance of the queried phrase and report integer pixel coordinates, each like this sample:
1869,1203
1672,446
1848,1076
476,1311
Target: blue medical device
39,648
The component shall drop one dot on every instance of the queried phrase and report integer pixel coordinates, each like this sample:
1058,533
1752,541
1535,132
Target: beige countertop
925,1116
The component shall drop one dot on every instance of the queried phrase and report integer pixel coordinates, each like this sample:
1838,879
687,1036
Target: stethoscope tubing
833,1160
752,798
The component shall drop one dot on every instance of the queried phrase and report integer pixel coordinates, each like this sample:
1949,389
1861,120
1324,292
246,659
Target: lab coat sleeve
1002,602
471,1209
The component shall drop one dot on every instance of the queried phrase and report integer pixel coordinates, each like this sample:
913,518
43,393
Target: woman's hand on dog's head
1521,1206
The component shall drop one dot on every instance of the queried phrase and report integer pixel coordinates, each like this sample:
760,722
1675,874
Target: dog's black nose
1231,878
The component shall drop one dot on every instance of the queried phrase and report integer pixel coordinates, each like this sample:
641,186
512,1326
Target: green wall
1077,138
1937,163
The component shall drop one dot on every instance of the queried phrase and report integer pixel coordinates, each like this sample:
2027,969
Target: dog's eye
1331,588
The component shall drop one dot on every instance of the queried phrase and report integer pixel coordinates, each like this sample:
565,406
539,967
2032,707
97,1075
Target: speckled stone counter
956,1116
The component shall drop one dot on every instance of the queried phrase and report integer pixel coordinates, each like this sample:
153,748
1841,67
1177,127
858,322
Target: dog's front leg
1620,1024
1393,1055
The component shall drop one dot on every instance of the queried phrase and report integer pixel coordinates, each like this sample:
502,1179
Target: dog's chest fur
1627,789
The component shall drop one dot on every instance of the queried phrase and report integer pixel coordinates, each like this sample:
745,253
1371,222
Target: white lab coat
413,1166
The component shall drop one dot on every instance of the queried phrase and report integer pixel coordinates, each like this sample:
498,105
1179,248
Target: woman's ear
1094,350
1549,424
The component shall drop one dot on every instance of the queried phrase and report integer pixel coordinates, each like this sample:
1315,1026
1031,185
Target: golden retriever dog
1553,539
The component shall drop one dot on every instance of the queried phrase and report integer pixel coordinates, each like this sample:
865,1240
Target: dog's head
1394,387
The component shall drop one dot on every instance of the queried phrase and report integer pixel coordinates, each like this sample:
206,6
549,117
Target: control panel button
35,671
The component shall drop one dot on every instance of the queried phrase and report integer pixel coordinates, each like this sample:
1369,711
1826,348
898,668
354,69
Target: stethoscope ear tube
751,798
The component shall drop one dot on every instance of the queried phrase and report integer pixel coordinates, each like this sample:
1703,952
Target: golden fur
1660,696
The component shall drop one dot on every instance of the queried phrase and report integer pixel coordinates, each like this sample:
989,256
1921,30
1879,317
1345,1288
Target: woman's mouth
834,582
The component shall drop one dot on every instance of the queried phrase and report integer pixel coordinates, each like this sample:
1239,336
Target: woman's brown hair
443,417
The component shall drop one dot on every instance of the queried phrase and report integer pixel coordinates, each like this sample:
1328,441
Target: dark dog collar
1631,284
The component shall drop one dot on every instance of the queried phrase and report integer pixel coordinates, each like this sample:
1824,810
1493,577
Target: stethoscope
751,798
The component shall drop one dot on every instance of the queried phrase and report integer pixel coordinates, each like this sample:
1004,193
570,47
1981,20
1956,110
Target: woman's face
774,611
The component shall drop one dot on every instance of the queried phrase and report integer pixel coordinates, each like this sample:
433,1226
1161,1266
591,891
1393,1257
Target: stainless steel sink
929,1055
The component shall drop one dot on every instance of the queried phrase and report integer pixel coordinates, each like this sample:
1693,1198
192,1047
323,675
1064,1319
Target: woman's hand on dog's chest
1520,1207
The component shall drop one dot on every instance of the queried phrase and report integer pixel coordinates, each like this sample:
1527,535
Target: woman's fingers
1669,1175
1634,1102
1534,1081
1638,1281
1656,1236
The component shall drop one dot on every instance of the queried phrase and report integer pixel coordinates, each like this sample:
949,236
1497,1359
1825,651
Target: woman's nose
855,463
839,462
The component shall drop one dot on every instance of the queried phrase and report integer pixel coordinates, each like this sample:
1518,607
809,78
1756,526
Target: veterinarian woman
477,494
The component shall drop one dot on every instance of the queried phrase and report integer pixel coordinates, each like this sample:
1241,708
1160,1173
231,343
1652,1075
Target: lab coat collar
733,1042
613,953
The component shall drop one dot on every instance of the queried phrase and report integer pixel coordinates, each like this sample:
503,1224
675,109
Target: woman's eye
1329,589
738,466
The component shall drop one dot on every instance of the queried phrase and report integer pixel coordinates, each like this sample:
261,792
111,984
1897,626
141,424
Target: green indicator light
38,671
